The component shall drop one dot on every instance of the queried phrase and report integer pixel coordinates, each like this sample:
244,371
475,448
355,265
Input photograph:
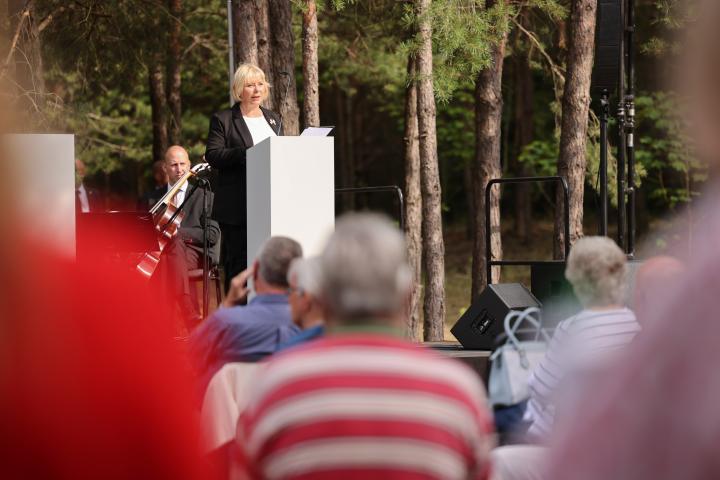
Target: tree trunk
264,49
174,97
158,103
575,109
245,43
283,61
347,154
413,199
311,92
470,197
26,56
432,231
488,116
524,134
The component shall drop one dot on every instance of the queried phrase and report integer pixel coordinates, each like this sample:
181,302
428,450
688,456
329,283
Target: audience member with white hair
363,402
304,282
581,347
583,343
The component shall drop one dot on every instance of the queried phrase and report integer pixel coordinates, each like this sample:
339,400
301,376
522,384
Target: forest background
130,77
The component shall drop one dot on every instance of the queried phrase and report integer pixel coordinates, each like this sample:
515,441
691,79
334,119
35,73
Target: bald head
177,163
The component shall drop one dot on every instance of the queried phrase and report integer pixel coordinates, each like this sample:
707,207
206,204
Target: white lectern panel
291,192
43,171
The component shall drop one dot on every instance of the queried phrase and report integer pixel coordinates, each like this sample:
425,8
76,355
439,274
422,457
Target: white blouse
259,128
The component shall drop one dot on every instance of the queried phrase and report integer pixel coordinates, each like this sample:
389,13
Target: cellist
184,250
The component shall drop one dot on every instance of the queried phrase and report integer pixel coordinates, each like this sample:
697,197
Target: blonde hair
244,73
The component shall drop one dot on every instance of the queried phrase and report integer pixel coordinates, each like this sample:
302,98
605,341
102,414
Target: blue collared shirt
241,334
305,336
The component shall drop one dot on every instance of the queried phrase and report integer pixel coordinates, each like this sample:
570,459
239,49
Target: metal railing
489,262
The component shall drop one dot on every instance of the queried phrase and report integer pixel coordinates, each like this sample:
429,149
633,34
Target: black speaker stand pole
604,118
630,126
622,144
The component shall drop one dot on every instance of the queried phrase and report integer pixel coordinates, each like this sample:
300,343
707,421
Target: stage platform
478,360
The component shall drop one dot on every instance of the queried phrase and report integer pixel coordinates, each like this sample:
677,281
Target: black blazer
227,144
191,227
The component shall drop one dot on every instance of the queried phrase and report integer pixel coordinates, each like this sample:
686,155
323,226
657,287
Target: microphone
287,86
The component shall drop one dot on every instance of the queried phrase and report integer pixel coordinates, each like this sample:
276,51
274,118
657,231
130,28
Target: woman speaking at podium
232,132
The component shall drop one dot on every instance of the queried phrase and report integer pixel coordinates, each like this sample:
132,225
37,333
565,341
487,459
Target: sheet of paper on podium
316,131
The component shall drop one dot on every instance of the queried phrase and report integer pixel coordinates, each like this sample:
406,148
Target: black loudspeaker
483,321
608,45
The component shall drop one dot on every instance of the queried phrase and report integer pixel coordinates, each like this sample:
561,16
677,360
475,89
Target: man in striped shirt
362,402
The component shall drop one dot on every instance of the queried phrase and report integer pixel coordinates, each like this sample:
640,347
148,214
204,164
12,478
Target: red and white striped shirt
366,406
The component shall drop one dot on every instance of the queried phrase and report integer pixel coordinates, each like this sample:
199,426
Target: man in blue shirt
307,312
248,333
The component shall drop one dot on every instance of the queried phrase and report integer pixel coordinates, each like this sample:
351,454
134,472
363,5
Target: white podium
42,172
290,192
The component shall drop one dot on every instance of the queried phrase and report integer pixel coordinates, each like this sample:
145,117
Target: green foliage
554,9
96,57
667,151
464,32
361,44
541,156
456,147
667,17
111,130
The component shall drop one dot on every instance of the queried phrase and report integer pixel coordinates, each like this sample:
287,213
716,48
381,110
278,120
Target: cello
167,221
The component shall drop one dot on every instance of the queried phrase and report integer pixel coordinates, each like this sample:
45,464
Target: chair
196,275
225,399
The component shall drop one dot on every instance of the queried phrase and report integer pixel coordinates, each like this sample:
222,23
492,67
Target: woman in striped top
583,343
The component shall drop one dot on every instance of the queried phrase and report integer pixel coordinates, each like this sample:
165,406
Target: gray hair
307,274
275,257
364,269
597,270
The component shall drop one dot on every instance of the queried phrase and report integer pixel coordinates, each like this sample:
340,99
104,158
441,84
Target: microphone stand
205,186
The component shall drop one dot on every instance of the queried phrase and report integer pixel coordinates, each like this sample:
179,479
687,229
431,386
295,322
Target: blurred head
249,85
365,276
654,277
304,282
159,175
597,270
273,262
177,163
700,77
